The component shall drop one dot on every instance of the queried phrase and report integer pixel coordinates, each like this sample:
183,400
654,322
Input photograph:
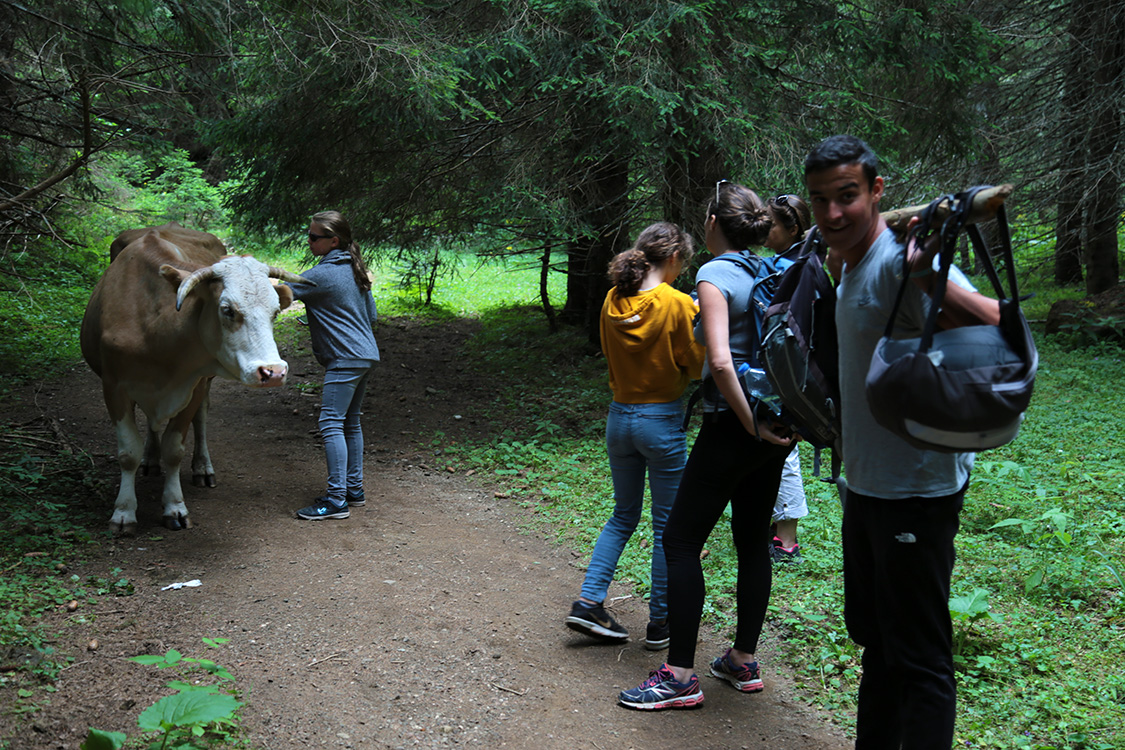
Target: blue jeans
639,437
341,399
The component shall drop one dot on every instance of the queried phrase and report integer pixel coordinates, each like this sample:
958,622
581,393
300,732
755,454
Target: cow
171,312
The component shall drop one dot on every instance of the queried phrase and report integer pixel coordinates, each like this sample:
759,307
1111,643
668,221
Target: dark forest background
556,128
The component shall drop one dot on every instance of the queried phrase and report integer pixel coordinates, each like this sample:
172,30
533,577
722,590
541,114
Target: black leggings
727,464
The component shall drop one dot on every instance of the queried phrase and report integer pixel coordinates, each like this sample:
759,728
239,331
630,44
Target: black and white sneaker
592,619
658,635
321,509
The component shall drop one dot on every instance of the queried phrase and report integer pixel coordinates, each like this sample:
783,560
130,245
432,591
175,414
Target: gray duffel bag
963,389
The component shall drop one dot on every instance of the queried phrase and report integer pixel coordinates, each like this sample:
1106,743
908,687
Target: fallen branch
314,662
79,161
507,690
985,205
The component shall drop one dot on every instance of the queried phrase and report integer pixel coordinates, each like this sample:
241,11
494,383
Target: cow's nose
272,375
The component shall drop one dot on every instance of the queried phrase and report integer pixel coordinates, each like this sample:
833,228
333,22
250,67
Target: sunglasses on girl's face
313,236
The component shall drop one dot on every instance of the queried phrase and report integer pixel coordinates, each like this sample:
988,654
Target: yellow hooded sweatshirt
648,343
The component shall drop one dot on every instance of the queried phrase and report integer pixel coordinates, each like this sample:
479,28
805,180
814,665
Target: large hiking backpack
766,274
799,349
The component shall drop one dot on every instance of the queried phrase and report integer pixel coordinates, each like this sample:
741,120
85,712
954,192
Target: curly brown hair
655,245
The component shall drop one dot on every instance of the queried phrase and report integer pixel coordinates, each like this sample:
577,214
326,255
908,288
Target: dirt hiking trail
430,618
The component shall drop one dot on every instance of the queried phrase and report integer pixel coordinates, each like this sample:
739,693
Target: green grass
468,285
472,287
43,537
39,322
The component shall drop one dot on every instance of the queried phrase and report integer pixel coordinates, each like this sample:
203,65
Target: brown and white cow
171,312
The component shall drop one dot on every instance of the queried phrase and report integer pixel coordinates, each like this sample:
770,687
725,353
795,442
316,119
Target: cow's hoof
177,523
122,529
204,480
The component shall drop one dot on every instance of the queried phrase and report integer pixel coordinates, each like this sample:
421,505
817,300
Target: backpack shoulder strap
749,261
807,246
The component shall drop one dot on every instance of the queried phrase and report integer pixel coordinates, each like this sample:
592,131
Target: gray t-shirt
877,463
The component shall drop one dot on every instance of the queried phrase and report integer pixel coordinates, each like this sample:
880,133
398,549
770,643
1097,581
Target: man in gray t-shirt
903,504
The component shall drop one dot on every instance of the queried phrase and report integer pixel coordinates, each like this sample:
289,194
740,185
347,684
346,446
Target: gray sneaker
745,678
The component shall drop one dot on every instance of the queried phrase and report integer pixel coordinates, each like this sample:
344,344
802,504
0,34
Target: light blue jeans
639,438
341,399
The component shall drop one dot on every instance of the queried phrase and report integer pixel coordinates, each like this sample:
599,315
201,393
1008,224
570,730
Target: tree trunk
1074,156
987,171
688,180
544,297
611,185
601,206
1108,60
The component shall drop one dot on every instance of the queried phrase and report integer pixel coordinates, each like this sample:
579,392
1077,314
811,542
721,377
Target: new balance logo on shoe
661,690
321,509
906,538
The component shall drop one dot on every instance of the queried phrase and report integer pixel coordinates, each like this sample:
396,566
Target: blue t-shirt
877,462
735,282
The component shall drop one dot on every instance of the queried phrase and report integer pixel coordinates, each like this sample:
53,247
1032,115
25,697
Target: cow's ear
284,295
175,276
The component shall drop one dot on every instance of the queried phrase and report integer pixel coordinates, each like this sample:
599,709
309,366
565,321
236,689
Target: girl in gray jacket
341,315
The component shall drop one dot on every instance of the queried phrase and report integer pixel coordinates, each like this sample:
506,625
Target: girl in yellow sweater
646,334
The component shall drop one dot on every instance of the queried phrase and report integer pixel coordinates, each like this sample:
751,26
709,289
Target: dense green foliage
202,713
544,126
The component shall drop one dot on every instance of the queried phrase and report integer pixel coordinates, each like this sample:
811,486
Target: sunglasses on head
313,236
718,185
783,200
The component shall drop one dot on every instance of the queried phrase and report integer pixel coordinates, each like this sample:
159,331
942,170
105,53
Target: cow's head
238,306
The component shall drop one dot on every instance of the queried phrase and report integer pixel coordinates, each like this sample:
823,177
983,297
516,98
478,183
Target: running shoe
661,690
744,678
321,509
782,554
592,619
658,635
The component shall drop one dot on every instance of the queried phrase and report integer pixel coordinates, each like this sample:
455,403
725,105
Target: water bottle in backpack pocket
760,394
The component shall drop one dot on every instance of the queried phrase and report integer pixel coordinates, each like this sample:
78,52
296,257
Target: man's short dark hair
843,149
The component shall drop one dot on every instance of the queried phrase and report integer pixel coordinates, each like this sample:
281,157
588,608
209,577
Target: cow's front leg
202,472
129,447
171,455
